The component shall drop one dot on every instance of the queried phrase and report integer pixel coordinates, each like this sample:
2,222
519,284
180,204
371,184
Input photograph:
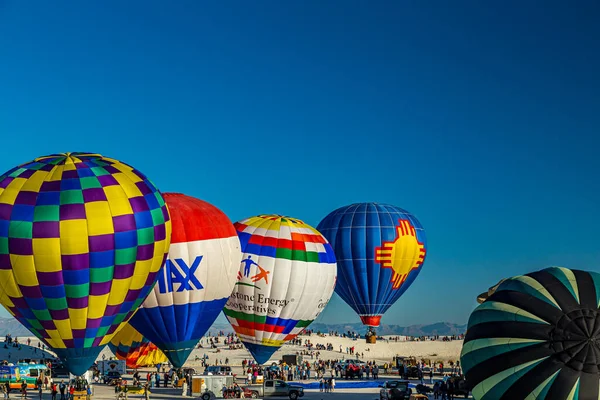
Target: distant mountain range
14,327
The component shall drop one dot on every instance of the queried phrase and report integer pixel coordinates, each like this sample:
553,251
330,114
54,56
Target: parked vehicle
217,370
350,369
278,388
395,390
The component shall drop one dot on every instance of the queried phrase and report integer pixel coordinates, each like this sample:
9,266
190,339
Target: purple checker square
48,325
102,243
50,278
111,170
78,333
59,315
21,247
27,173
107,180
19,302
6,182
52,186
72,211
123,271
31,292
5,261
94,323
133,295
97,342
145,252
75,262
160,232
143,187
47,167
77,302
150,279
99,289
124,223
46,230
69,343
81,165
71,174
27,198
138,204
112,329
6,210
93,194
111,310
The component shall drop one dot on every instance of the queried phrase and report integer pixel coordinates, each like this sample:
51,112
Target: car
395,390
278,388
110,377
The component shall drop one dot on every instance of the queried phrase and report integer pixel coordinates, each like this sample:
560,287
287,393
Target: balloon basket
371,339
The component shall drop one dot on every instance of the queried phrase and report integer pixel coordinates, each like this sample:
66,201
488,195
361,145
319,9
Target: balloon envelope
286,279
82,238
137,351
536,337
196,282
380,250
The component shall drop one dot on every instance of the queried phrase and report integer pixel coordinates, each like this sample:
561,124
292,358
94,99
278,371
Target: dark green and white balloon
537,337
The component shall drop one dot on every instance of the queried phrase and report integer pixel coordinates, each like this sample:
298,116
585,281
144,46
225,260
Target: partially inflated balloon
380,251
286,278
137,351
82,238
537,336
197,280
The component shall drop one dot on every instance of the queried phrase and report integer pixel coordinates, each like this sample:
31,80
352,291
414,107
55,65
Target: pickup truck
278,388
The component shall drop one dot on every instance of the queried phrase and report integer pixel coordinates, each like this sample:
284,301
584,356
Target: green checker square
283,253
100,275
71,197
118,319
56,304
145,236
4,245
77,291
99,171
311,256
137,303
20,229
157,217
90,182
126,256
42,315
35,324
46,213
102,331
17,172
88,342
36,166
159,198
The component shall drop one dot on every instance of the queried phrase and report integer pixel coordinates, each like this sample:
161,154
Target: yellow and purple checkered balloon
82,238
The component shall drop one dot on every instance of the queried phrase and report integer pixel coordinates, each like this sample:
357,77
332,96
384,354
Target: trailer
106,366
210,386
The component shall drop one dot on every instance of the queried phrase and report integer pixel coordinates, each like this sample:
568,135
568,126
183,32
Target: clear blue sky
482,118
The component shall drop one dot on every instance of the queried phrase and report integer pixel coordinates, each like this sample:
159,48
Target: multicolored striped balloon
82,238
286,279
537,337
195,284
137,351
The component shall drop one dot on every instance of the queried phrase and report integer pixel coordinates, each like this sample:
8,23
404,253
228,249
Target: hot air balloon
82,238
536,337
137,351
286,279
196,282
380,251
